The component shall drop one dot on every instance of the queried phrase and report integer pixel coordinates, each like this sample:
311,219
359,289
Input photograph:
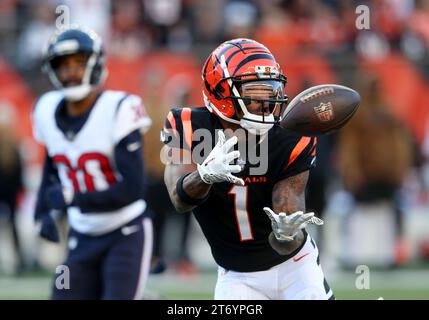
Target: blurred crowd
156,49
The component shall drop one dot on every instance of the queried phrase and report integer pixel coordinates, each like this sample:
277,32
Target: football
320,109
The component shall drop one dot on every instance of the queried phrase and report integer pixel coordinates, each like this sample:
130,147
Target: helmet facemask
82,41
258,98
80,91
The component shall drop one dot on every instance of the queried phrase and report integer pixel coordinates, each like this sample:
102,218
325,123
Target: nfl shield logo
324,112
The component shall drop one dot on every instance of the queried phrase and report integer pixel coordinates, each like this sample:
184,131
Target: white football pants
299,278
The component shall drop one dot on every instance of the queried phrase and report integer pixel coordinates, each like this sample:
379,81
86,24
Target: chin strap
77,93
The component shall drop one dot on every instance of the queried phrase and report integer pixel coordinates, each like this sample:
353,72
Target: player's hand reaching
286,227
216,167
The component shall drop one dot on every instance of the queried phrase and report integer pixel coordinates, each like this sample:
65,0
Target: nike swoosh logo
127,230
133,146
304,255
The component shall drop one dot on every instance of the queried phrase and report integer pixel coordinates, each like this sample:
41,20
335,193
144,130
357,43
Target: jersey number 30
241,213
92,171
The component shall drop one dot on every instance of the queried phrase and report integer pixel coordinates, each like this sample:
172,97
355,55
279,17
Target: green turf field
400,284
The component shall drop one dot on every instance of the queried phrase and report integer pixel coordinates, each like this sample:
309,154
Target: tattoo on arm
195,187
289,197
289,194
192,184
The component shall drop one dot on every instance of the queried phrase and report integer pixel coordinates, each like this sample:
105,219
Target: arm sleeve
301,158
127,189
49,177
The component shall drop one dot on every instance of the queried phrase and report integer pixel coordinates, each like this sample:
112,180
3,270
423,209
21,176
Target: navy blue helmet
74,40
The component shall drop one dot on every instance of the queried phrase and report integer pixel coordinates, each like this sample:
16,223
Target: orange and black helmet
232,64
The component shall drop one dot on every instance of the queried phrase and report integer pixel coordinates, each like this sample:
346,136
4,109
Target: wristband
184,196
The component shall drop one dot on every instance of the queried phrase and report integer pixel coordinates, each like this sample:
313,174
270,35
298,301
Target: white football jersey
85,162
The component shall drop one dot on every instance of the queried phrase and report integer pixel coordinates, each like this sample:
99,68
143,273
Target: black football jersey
232,218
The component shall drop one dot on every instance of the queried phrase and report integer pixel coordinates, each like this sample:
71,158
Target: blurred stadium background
372,181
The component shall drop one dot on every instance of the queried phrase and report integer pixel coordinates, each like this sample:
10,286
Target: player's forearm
289,197
126,190
118,196
194,188
286,248
179,205
289,194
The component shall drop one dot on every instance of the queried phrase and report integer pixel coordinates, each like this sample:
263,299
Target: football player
93,171
259,257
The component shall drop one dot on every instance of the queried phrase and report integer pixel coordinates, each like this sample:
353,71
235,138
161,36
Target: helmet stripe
206,84
232,44
253,57
223,52
234,53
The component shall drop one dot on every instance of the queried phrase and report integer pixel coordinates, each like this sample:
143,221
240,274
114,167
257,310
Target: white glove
216,167
286,227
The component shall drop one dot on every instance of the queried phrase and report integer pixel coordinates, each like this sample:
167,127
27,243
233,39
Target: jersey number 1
241,213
